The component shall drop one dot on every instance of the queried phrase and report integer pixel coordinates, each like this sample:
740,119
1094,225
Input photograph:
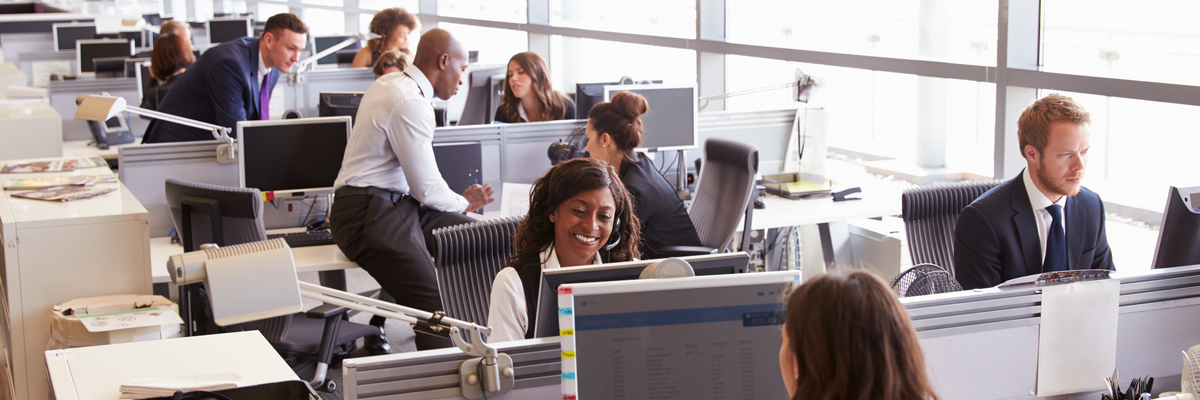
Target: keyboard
318,237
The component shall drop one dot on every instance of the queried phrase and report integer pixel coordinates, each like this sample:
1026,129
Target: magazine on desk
64,193
68,164
56,181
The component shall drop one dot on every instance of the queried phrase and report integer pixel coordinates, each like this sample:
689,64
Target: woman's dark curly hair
562,182
384,24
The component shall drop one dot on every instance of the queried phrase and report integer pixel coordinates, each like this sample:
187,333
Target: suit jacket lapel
1027,233
1076,214
254,86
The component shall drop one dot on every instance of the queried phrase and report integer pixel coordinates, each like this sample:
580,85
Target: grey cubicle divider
768,131
433,374
14,44
984,344
144,170
306,94
62,98
27,58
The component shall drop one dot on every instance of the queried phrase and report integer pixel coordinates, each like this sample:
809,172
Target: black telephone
114,131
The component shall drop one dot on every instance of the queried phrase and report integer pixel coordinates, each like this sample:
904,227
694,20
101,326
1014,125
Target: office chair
930,214
726,183
345,57
469,257
230,215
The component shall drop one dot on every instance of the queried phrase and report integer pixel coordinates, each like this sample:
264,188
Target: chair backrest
469,257
223,215
930,214
726,184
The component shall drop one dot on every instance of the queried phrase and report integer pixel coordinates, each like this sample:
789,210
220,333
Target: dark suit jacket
996,238
219,88
665,222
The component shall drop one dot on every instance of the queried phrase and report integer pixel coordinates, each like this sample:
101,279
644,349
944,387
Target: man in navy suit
231,82
1043,220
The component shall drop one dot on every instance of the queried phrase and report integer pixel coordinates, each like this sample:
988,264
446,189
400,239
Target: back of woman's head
170,54
564,181
852,339
384,24
621,118
390,59
539,75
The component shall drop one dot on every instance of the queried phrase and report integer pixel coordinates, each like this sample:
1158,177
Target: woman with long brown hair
171,56
528,95
394,25
579,214
847,337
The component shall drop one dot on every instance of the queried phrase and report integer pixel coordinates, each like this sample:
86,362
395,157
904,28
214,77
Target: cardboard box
66,331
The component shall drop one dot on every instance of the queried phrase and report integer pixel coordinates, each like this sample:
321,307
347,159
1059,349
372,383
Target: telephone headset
614,237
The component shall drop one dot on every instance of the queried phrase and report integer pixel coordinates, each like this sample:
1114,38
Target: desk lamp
295,76
802,87
257,280
102,107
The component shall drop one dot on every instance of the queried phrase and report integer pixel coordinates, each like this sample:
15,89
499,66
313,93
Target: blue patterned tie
1056,242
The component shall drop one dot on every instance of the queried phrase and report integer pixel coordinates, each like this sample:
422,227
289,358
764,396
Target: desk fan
1190,381
923,279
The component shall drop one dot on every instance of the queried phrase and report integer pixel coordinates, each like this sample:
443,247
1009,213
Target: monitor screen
65,35
482,97
339,104
224,30
1179,235
320,43
136,36
682,338
702,265
671,122
301,156
88,50
587,95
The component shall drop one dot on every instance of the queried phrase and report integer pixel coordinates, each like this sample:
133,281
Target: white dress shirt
507,314
391,146
1039,202
521,113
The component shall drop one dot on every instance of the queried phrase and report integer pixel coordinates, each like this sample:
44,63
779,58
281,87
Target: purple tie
264,99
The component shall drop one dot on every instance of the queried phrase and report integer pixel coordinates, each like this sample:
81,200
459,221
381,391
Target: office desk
829,219
30,130
54,252
83,148
96,373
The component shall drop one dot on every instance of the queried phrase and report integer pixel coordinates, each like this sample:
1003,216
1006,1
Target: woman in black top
614,129
528,95
171,56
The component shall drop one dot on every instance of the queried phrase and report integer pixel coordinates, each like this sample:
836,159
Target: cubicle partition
62,98
145,169
14,44
984,344
39,65
303,92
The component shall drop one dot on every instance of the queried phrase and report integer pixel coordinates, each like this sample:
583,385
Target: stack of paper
143,388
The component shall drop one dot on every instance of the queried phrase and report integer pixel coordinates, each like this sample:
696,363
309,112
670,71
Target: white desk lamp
802,87
102,107
253,281
296,75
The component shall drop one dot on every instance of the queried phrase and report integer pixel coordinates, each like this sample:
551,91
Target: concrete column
710,67
934,39
1018,30
571,66
352,18
539,14
427,7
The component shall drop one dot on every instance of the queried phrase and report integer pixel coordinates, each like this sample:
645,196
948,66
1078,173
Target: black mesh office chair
469,257
230,215
726,184
930,214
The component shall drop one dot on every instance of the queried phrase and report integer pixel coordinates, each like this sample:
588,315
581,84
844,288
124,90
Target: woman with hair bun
614,129
528,95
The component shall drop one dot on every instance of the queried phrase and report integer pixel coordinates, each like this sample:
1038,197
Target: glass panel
492,10
1156,40
874,112
674,18
962,31
605,61
495,46
410,5
331,3
324,22
266,10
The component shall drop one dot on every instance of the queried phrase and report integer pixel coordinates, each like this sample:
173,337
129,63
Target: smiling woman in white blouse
579,214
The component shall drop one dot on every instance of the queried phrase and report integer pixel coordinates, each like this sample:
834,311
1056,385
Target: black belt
370,190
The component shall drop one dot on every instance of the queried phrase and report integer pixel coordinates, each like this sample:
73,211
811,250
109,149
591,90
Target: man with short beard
1043,220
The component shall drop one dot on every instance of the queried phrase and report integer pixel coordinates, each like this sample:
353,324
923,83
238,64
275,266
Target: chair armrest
325,311
683,251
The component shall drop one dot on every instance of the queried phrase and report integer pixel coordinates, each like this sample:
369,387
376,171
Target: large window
323,22
493,10
674,18
607,61
495,46
410,5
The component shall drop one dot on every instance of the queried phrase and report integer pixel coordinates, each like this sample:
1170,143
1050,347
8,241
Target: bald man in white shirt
390,195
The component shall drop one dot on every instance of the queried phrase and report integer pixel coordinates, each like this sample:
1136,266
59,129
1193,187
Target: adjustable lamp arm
303,64
102,107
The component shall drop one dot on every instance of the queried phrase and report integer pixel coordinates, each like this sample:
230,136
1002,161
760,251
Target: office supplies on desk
804,189
845,195
1078,337
141,388
49,182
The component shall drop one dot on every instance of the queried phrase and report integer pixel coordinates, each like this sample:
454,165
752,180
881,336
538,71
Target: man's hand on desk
478,196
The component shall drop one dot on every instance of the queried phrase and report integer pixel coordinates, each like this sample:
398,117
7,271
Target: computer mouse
758,203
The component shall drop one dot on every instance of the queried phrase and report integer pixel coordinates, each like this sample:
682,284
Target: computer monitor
1179,235
702,265
138,37
482,95
590,94
321,43
88,50
671,122
339,104
65,34
292,157
226,29
714,337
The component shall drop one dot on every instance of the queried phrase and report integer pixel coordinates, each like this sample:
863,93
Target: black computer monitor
88,50
65,34
339,104
1179,235
590,94
482,95
153,19
225,29
321,43
547,317
671,122
138,37
292,157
